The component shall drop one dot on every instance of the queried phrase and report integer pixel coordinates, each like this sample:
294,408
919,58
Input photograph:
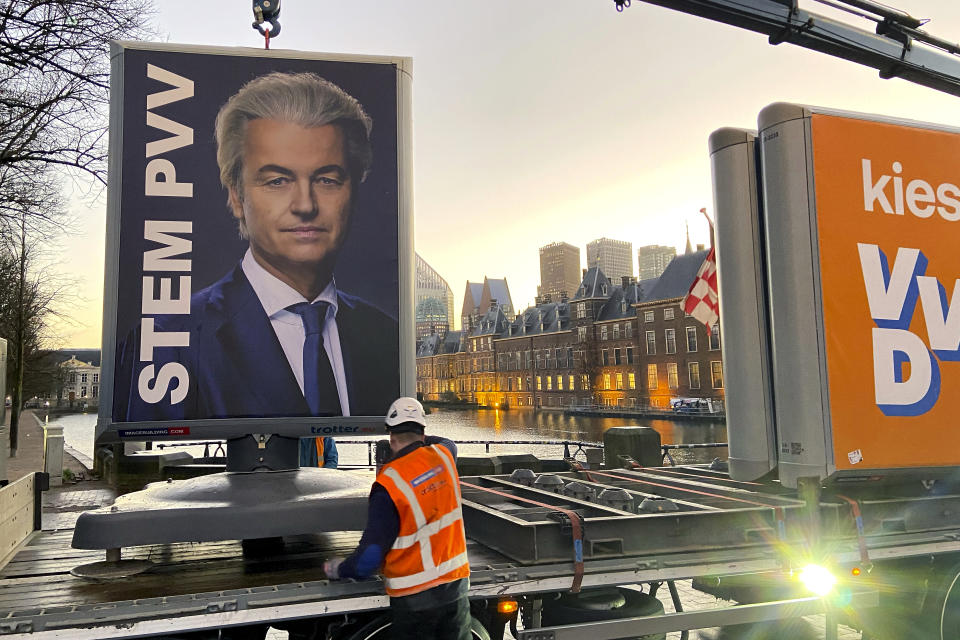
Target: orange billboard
888,232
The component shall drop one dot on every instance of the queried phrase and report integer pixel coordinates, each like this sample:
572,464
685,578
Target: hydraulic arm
897,47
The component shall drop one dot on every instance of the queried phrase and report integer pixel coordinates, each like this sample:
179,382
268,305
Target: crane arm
897,49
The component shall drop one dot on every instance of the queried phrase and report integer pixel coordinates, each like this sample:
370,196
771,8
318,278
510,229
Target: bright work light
817,579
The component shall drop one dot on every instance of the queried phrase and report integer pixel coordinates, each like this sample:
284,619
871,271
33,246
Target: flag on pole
701,301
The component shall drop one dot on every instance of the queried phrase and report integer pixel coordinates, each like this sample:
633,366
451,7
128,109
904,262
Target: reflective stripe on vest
429,572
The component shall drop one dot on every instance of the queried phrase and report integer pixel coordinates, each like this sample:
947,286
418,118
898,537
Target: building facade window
606,381
570,382
83,392
716,374
631,380
670,336
616,356
629,355
603,332
96,377
616,331
651,343
559,383
605,357
619,382
628,330
581,334
668,313
549,383
582,310
648,316
584,382
693,371
714,337
672,378
691,339
651,376
539,383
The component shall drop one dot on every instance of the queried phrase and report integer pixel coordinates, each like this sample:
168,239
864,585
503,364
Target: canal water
502,427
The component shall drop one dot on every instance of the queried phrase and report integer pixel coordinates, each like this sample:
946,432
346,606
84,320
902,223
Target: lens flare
817,579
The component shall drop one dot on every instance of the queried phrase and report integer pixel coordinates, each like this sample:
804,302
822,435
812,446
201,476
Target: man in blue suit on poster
274,336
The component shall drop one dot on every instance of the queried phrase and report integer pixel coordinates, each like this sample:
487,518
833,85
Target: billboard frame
108,430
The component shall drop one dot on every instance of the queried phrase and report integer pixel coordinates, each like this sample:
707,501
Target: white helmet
405,410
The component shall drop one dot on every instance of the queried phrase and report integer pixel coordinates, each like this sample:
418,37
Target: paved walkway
29,456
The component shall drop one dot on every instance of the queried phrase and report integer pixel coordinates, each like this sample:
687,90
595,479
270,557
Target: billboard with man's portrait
259,256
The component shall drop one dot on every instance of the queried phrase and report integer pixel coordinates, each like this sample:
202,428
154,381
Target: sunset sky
537,122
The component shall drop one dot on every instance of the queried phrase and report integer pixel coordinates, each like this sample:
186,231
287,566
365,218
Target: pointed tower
689,248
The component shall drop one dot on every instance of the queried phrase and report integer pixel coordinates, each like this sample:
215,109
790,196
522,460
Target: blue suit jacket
237,366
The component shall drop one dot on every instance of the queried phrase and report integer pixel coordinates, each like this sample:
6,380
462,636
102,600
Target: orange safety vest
319,451
431,548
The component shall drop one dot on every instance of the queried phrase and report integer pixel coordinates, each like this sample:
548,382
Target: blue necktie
319,385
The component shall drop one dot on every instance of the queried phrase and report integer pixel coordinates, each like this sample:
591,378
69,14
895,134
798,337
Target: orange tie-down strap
858,521
576,529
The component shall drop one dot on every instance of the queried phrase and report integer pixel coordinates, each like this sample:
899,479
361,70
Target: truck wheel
379,629
607,603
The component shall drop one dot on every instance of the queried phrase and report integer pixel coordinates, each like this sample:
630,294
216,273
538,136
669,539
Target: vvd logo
892,295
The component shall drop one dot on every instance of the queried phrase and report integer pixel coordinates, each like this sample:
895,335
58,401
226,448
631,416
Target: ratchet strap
858,520
576,529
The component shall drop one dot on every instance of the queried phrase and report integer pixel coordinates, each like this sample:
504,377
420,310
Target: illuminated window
672,378
651,376
716,374
631,380
693,369
619,382
606,381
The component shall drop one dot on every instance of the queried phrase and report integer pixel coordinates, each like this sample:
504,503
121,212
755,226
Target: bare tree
54,97
54,86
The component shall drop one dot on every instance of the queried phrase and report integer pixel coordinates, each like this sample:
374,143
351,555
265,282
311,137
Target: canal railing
214,451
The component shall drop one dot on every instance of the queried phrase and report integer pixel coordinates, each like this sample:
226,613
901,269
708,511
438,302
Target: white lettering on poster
892,295
920,197
166,272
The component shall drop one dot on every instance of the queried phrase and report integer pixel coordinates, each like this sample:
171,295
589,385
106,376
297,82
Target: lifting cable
576,529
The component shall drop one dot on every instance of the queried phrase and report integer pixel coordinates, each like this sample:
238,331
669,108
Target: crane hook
267,11
621,4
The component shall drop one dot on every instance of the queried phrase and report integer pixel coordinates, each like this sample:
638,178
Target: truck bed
204,585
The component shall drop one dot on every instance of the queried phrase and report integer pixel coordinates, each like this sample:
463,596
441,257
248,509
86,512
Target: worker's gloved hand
332,568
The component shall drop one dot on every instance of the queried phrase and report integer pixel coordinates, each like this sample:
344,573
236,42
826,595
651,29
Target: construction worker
318,452
415,533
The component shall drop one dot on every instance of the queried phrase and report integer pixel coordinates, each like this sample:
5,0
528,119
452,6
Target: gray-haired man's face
296,197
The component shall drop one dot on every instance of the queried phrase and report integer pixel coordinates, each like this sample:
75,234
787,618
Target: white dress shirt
275,296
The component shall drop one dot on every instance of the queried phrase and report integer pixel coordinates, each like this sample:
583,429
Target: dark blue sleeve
452,448
330,456
308,452
383,526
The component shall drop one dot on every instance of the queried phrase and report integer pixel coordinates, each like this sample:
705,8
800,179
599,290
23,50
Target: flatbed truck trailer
670,524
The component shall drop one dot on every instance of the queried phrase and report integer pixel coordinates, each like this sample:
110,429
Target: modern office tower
429,285
653,259
614,257
559,270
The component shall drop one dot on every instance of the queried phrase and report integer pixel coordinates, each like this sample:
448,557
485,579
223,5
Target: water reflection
526,424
